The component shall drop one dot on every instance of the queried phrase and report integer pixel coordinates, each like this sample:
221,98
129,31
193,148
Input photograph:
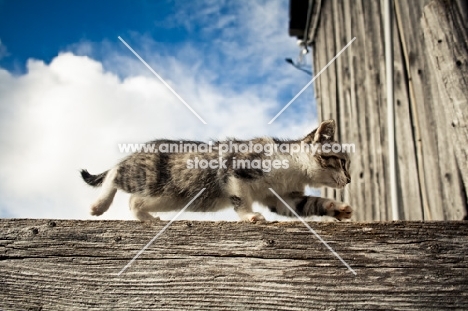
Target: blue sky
70,91
39,29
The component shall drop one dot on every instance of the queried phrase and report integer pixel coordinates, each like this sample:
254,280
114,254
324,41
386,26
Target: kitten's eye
343,163
334,161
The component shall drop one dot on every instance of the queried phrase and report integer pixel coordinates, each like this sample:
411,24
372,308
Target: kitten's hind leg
240,198
107,194
140,207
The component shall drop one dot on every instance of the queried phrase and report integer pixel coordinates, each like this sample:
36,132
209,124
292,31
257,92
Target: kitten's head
332,160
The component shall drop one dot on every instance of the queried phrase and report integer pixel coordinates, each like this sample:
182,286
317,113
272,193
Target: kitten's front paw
253,217
339,210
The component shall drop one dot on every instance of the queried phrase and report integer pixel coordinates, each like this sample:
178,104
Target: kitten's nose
348,177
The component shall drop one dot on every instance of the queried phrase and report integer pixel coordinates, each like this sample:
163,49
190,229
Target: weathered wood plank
72,265
374,49
453,195
356,188
407,173
420,105
363,127
446,37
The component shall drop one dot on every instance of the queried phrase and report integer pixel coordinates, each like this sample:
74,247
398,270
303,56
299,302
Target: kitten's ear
325,132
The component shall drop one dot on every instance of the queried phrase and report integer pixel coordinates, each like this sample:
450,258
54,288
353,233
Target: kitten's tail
93,180
108,190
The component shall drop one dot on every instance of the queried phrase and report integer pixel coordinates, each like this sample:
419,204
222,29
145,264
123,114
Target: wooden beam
65,265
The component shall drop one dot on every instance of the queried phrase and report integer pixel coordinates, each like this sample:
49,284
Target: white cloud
72,113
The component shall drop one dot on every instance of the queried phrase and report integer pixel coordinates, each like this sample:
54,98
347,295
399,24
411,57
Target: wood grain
407,167
446,37
437,167
72,265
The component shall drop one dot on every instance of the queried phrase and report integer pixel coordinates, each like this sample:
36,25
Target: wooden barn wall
353,92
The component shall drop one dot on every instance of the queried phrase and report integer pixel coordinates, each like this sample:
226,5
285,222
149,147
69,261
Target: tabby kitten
167,181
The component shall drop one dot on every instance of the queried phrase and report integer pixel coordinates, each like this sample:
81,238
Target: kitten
167,181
